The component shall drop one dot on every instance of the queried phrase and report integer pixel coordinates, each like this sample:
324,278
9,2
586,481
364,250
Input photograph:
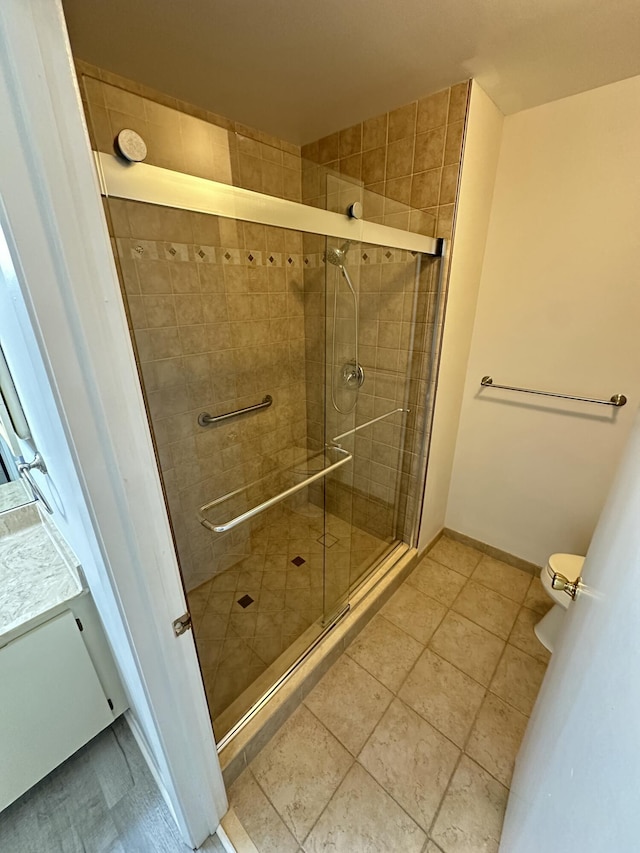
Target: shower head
337,257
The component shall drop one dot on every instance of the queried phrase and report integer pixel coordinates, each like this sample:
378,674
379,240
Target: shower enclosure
286,355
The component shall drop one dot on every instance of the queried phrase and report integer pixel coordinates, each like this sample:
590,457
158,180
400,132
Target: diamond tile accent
271,259
289,260
202,254
171,250
387,254
298,561
365,257
227,255
327,540
245,601
250,257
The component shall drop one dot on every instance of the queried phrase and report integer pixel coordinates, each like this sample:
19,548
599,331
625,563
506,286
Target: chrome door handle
563,584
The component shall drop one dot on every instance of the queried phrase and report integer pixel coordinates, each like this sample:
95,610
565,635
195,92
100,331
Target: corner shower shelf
211,515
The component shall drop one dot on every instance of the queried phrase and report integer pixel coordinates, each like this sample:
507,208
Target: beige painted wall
481,147
559,309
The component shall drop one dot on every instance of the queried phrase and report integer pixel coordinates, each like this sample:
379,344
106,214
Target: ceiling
301,69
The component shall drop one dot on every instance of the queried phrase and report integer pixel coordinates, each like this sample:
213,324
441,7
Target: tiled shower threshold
253,732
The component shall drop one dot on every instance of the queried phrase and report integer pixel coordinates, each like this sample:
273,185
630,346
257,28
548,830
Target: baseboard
491,551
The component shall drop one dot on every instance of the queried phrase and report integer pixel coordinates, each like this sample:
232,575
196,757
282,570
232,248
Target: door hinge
182,624
80,625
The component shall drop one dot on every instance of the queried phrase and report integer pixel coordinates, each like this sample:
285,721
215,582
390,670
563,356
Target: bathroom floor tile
487,608
454,555
466,645
414,612
523,636
349,702
503,578
496,736
300,769
518,678
259,818
385,651
411,760
443,695
536,598
363,817
437,581
472,812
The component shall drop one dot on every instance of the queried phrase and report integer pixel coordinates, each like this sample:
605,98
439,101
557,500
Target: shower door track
168,188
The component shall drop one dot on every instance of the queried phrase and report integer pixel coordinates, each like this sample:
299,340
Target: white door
67,344
577,780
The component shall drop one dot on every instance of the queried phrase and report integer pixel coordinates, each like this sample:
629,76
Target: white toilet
570,565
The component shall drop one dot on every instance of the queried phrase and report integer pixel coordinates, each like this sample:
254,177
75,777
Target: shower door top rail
166,187
616,400
261,507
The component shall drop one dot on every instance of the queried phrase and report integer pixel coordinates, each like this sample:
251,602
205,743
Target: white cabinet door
51,704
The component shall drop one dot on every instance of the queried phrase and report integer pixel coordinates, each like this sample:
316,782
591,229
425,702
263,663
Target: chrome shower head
337,257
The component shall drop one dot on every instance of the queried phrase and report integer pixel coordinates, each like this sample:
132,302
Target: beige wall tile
453,145
350,141
399,158
432,111
458,102
429,150
425,188
402,122
374,132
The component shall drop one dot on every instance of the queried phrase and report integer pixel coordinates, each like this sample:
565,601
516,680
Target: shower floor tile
430,771
248,616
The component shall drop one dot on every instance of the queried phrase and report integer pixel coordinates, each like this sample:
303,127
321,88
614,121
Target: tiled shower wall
217,311
185,138
403,155
400,315
410,156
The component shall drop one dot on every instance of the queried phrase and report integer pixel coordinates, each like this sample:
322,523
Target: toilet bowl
570,565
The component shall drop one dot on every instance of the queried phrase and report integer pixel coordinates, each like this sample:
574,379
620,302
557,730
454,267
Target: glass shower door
380,305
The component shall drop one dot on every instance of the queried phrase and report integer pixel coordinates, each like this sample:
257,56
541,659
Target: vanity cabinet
52,702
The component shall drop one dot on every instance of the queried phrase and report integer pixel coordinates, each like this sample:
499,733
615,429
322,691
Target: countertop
38,572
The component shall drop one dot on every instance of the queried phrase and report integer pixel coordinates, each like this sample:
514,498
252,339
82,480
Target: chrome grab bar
25,469
368,423
204,418
617,400
250,513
